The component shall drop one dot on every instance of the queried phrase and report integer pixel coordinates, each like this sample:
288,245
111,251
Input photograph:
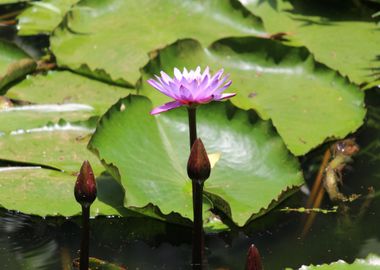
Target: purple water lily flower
190,88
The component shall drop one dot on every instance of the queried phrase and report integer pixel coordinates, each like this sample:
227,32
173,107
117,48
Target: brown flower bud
198,166
253,259
85,186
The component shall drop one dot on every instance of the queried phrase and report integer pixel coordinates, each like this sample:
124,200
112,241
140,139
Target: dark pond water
35,243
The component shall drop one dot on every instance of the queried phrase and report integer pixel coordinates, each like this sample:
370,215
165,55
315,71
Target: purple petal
198,72
185,93
219,89
166,107
213,86
177,74
165,77
185,73
206,72
157,85
174,89
164,84
224,96
217,75
201,87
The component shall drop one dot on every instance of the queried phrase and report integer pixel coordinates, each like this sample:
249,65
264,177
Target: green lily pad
61,146
43,17
26,118
58,95
14,64
306,101
141,27
148,154
34,134
332,33
4,2
64,87
43,192
371,262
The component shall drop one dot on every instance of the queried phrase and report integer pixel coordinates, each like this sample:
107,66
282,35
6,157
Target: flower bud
198,166
85,186
253,259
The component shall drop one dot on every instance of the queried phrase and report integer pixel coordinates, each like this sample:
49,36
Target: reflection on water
26,245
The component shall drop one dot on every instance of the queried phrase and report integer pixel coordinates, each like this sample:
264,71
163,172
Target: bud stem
198,239
192,113
84,249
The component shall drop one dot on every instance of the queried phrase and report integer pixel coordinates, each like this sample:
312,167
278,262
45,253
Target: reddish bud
253,259
85,186
198,166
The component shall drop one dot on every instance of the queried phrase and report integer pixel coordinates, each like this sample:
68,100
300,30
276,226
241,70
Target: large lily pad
333,33
64,87
45,192
55,96
149,155
34,134
59,146
306,101
43,17
14,64
111,39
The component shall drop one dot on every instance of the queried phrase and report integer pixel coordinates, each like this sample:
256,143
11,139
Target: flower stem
192,124
84,248
198,238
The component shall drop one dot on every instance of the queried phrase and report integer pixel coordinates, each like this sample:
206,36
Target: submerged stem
198,238
192,113
84,248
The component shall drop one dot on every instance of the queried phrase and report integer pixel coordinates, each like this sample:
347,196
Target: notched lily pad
151,152
307,102
43,17
87,39
330,33
36,133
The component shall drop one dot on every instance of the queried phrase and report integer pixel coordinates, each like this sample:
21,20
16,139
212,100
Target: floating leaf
140,27
3,2
14,64
332,33
64,87
149,155
43,192
306,101
33,134
43,17
61,146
